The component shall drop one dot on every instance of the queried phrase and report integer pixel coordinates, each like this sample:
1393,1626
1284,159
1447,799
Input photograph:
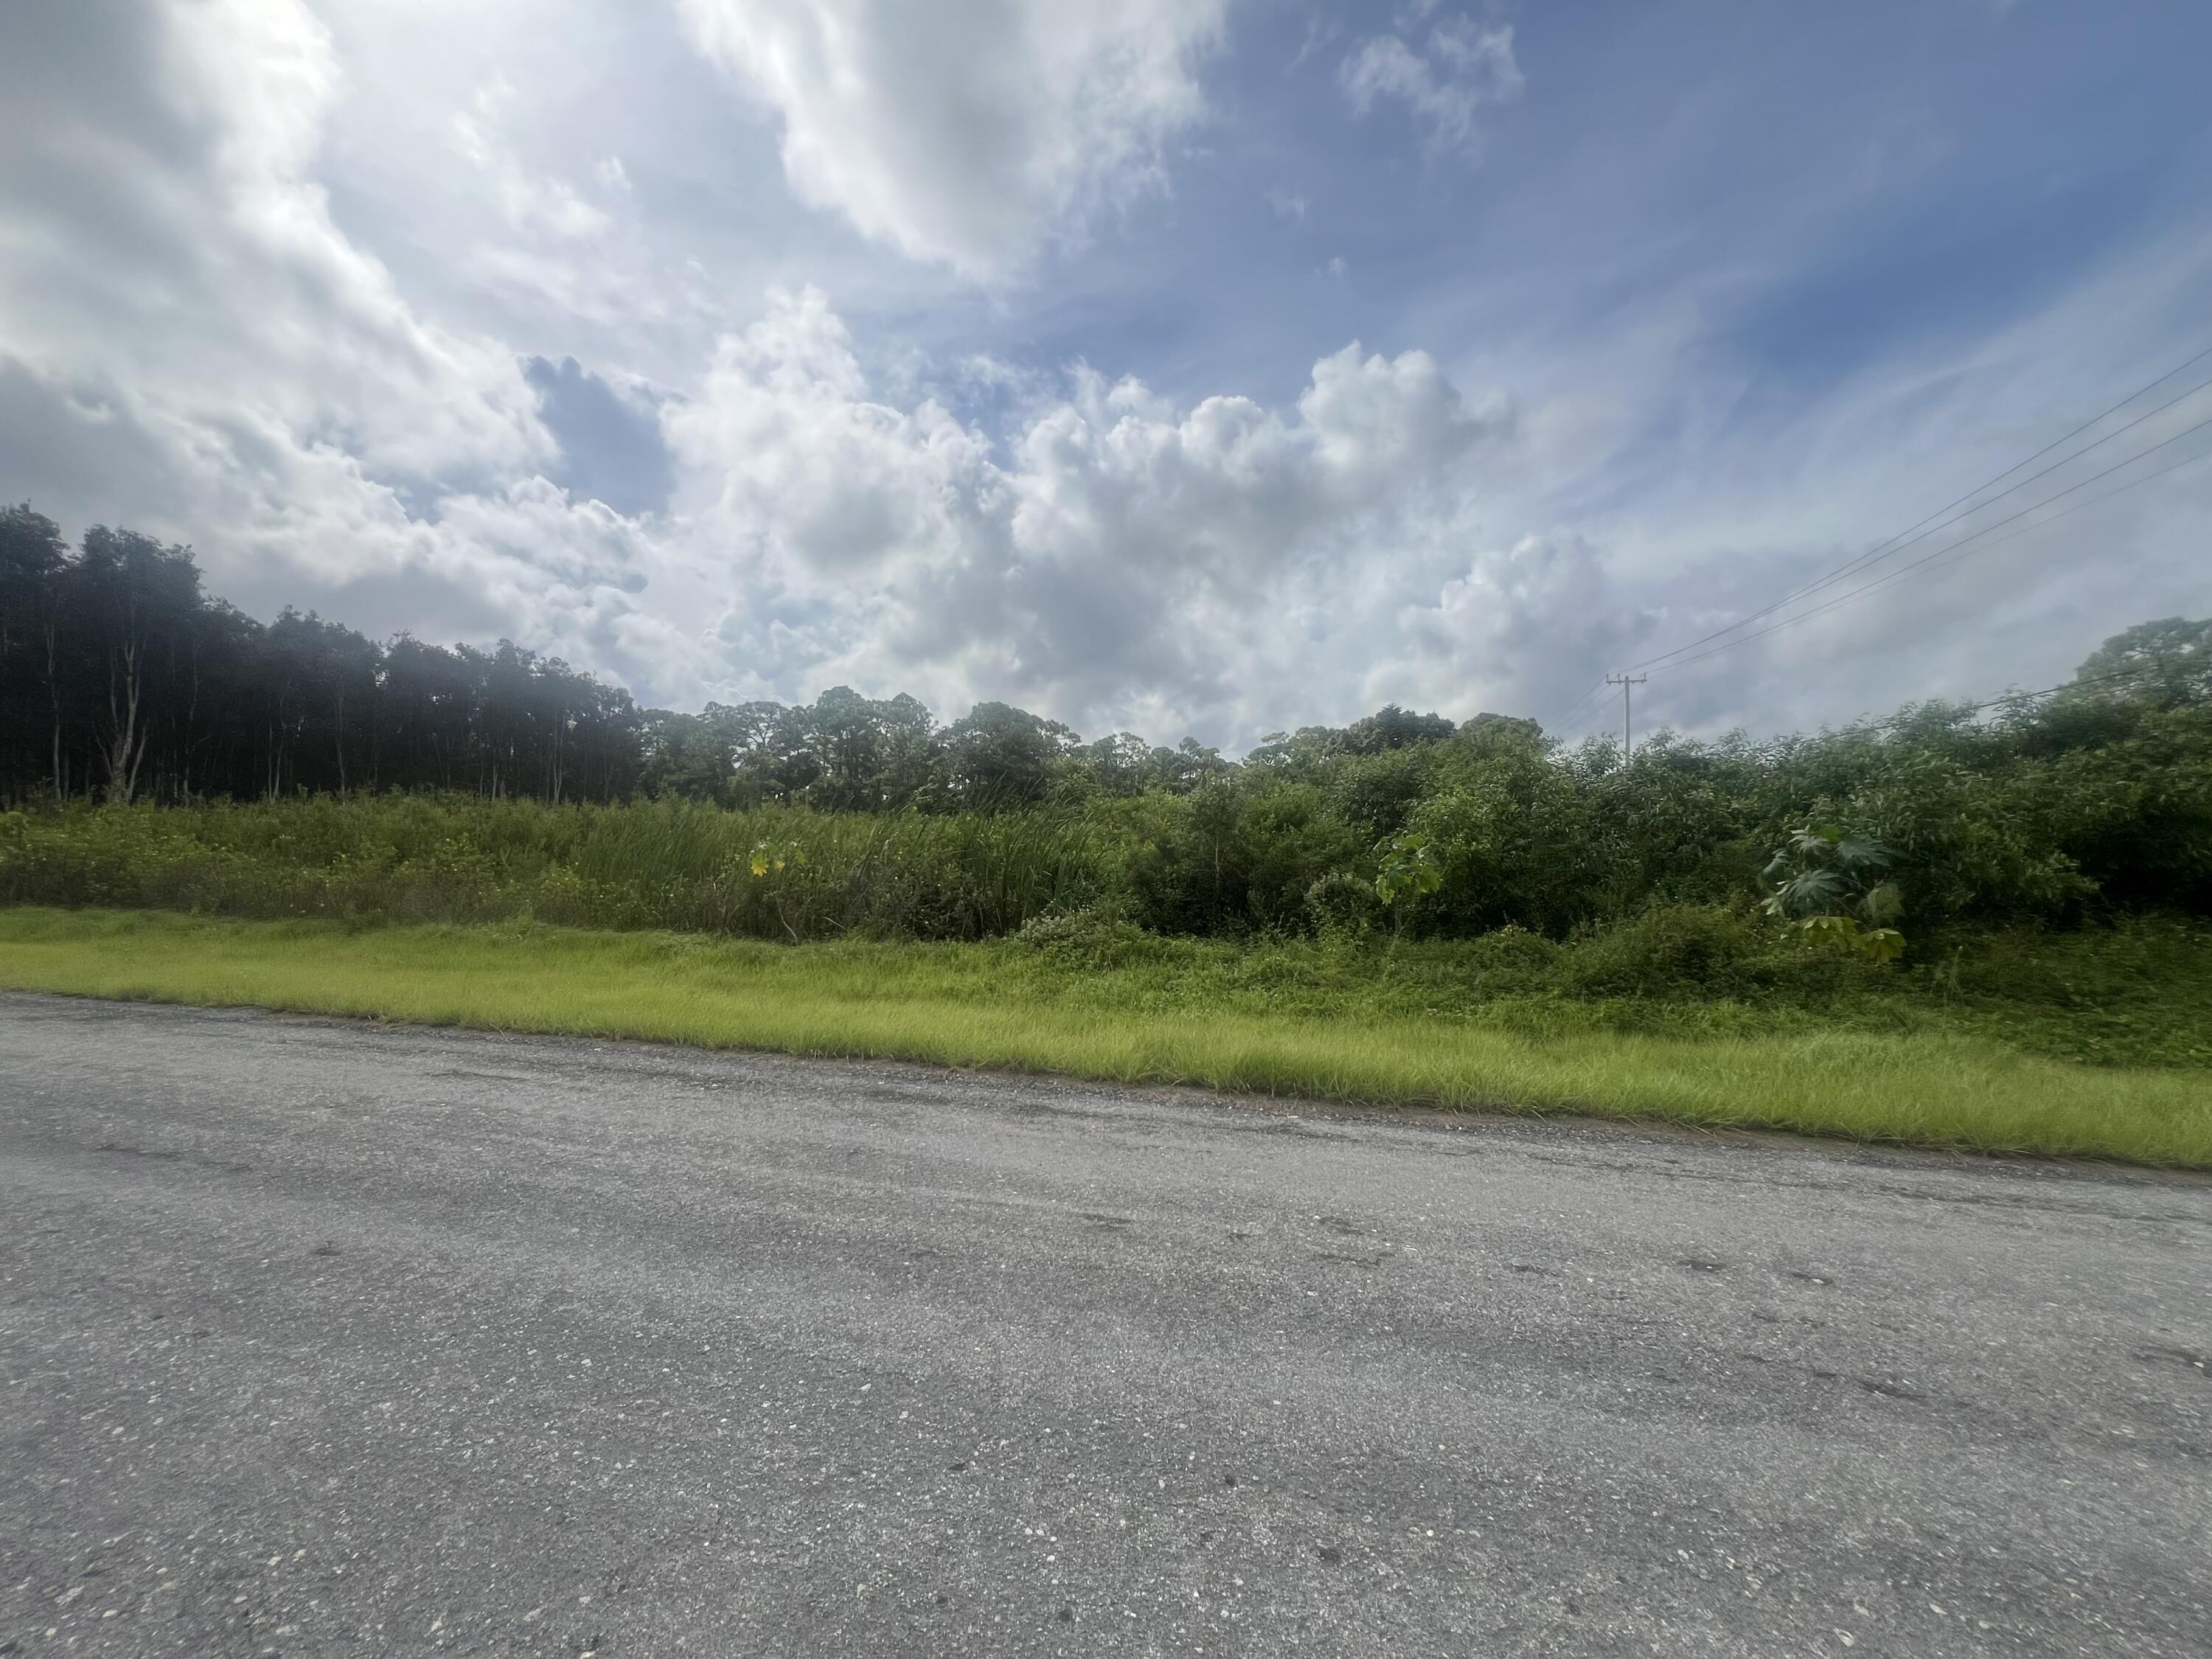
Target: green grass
1310,1022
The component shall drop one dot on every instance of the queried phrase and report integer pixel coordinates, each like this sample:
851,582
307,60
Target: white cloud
1115,554
785,448
1459,69
190,345
1525,626
183,258
971,133
531,201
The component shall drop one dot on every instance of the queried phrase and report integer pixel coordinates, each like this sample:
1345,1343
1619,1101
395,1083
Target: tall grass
1006,1005
666,864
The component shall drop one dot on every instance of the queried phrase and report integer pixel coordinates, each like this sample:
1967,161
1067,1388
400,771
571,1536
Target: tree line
121,679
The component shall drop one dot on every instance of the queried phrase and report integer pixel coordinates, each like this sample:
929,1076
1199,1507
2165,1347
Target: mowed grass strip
950,1005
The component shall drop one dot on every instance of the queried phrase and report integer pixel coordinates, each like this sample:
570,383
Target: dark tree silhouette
121,679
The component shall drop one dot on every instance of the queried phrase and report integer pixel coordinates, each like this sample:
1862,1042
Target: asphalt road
329,1338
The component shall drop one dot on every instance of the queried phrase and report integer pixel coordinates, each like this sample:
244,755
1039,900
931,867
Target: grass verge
988,1006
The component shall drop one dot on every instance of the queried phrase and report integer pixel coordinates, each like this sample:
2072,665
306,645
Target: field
1437,1026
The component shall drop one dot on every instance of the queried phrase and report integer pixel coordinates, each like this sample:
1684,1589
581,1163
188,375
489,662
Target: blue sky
998,347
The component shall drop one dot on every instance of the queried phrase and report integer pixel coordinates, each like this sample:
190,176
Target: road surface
321,1338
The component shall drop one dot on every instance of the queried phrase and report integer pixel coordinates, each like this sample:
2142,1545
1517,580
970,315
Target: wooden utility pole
1627,735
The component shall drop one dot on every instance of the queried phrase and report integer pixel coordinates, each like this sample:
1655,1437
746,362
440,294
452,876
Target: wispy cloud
967,135
1457,69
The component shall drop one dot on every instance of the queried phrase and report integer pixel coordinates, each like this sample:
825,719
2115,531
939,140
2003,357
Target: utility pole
1627,735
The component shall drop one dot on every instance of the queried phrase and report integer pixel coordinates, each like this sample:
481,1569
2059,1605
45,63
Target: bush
1374,793
1287,839
1338,904
1189,875
1672,949
1513,958
2087,811
1097,936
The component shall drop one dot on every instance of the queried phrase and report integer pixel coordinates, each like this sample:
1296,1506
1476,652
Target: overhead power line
1890,549
2009,697
1579,704
1928,525
1963,547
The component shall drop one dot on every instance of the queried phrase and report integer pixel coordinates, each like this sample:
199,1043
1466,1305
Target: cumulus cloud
970,132
1458,69
1111,552
1528,625
787,457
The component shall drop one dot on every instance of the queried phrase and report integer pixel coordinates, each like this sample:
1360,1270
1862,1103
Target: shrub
1339,904
1670,949
1513,958
1097,936
1189,875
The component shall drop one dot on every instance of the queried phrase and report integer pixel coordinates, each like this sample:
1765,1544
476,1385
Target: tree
325,680
1001,756
138,598
1116,764
119,676
865,755
1493,724
1303,754
911,750
427,709
2170,658
33,557
1392,728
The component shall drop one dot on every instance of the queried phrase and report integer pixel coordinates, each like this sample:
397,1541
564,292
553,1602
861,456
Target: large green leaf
1861,853
1810,891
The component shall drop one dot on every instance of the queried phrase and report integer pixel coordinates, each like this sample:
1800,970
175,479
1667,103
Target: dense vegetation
1901,930
301,769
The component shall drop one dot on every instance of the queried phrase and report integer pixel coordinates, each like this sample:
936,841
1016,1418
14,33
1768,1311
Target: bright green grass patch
1003,1006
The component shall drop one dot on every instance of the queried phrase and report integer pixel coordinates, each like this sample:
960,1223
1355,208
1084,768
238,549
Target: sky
1189,367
